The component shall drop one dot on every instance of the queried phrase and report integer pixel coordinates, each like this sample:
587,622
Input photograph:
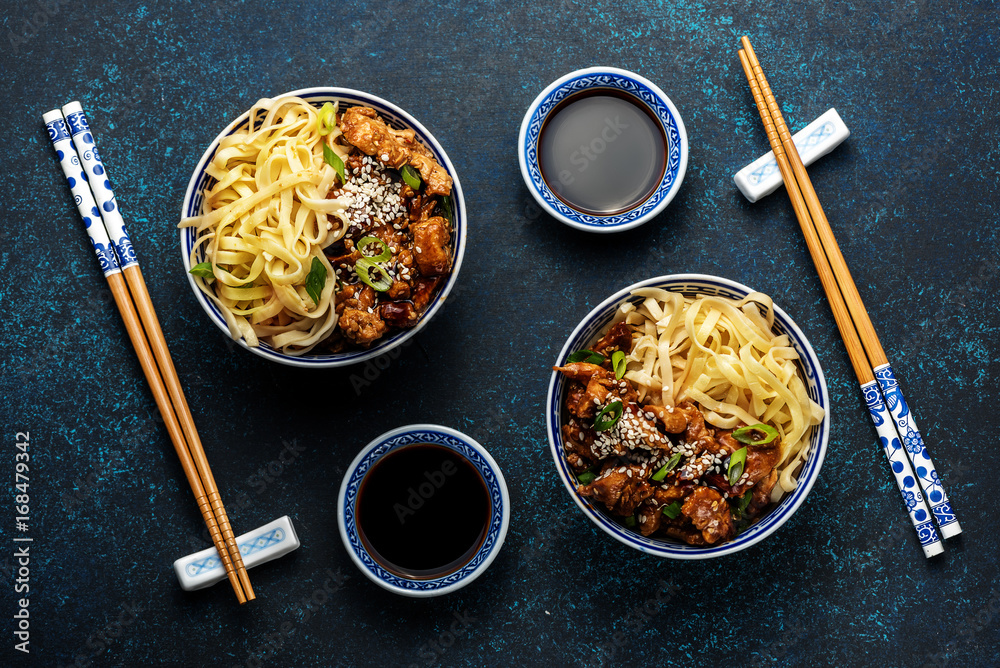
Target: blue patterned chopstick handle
100,184
77,180
917,452
908,487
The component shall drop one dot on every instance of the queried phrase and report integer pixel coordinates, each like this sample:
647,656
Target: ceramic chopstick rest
263,544
762,176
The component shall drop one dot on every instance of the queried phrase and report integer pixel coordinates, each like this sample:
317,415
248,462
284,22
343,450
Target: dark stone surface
912,198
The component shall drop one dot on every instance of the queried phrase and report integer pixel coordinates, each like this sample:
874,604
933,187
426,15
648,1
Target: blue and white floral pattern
78,122
100,185
403,437
57,130
914,444
105,256
895,452
125,252
647,94
873,401
82,196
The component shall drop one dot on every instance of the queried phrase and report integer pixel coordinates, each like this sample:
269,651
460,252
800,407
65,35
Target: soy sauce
602,152
423,511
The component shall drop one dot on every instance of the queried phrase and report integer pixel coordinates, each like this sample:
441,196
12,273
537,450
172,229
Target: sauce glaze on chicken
414,226
703,508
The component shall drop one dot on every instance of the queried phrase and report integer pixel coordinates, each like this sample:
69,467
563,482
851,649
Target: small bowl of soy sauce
423,510
603,149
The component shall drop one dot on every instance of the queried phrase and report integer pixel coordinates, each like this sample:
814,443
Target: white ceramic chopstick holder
762,176
266,543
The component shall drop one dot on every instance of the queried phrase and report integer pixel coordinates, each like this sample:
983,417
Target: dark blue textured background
912,198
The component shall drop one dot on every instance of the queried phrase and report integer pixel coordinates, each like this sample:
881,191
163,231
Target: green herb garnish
744,501
667,468
332,159
588,356
758,434
411,177
316,280
609,416
739,505
630,521
736,462
326,121
586,478
366,241
449,212
364,267
673,510
618,363
202,269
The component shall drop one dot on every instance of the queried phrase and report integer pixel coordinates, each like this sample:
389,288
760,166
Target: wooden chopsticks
208,499
95,200
893,421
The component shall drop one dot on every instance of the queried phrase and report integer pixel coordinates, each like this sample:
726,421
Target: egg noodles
264,225
723,355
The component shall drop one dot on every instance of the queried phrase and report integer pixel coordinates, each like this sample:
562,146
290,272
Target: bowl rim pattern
465,446
638,87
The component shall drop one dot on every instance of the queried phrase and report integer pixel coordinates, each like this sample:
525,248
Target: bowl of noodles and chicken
323,227
688,416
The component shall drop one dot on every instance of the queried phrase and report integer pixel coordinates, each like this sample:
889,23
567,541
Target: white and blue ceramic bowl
640,90
466,447
589,330
396,117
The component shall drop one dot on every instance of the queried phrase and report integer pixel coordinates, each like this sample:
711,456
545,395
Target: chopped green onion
586,478
332,159
588,356
749,435
381,257
667,468
740,505
618,363
316,280
446,206
745,501
630,521
326,122
673,510
364,266
202,269
609,416
736,462
411,177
